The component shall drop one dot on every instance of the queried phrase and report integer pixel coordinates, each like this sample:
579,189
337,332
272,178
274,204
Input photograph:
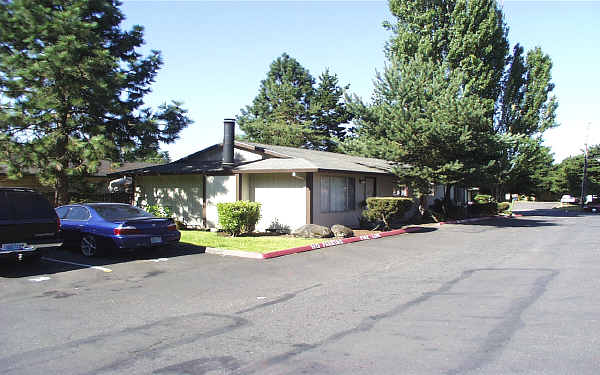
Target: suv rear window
24,205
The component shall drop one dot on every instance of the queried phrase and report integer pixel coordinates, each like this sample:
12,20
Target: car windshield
112,212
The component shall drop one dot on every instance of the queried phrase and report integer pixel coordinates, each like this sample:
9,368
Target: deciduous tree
526,108
569,174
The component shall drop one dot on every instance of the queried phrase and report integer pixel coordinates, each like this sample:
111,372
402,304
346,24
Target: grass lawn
258,244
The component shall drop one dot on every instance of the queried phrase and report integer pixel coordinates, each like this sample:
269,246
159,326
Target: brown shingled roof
279,158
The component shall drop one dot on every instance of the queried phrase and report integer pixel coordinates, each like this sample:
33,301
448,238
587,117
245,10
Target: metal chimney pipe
228,138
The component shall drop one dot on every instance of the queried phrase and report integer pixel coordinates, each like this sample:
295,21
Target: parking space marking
103,269
39,279
157,260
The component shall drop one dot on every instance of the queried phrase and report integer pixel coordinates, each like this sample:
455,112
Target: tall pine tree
72,88
452,106
433,106
279,114
329,113
290,111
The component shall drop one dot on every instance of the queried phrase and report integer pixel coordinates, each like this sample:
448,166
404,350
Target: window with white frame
337,194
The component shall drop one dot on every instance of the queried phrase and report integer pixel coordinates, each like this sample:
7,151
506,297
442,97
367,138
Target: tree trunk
61,185
422,203
61,194
446,202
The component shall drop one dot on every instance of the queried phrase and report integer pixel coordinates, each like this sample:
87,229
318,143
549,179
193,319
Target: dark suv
28,224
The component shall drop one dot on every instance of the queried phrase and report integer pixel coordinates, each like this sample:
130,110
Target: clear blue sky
216,54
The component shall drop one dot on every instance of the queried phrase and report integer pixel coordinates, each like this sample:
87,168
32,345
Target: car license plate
13,246
155,240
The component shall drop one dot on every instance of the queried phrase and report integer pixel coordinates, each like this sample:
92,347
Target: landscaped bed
256,242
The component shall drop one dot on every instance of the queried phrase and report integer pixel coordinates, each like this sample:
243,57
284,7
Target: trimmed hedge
503,206
386,209
484,205
238,217
483,199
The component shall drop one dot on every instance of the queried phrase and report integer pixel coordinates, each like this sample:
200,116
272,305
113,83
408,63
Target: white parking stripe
103,269
39,279
156,260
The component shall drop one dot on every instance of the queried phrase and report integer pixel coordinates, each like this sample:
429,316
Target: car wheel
89,246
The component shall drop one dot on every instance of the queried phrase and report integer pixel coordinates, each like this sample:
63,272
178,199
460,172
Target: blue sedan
98,226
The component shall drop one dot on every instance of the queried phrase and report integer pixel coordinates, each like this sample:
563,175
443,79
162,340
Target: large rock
312,231
341,231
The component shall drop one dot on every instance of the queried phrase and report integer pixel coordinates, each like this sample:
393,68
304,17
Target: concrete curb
233,253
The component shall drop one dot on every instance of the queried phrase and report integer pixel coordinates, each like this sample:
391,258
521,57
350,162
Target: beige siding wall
238,155
182,194
243,155
219,189
246,178
384,185
282,198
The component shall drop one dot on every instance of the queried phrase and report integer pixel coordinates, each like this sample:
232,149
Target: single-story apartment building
295,186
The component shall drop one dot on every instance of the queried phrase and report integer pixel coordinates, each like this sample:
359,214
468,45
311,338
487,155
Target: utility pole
585,159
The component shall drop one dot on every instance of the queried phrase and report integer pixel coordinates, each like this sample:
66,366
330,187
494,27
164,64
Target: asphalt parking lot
59,260
495,297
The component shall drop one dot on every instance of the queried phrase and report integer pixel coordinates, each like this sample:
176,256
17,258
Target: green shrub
238,217
159,211
478,209
483,199
503,206
386,209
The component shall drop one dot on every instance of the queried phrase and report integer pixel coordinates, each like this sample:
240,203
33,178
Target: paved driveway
495,297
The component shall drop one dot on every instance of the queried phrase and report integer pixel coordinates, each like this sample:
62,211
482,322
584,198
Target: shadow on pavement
555,212
511,223
56,260
424,230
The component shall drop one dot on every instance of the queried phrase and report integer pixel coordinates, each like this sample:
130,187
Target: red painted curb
335,242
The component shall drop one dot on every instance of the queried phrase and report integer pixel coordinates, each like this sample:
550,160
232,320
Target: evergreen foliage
290,110
452,106
433,104
72,88
386,210
568,175
329,113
